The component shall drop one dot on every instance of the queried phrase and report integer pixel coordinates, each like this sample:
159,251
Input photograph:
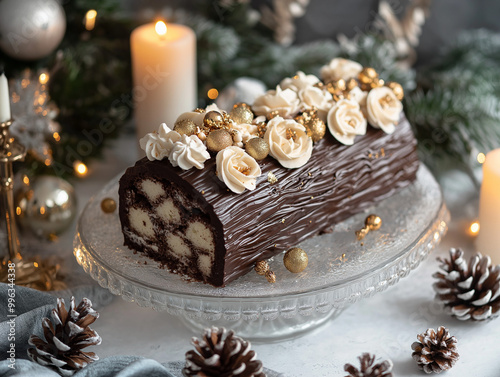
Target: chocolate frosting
337,182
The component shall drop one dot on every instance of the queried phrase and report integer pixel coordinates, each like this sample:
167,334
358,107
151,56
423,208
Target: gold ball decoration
397,89
213,119
368,75
373,222
258,148
316,128
218,140
261,267
295,260
108,205
271,276
241,113
185,127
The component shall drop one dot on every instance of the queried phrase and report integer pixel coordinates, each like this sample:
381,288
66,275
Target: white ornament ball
31,29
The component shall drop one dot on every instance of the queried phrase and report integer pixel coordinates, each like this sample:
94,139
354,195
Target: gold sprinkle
291,134
343,256
271,178
376,155
312,197
198,110
203,192
283,220
310,221
382,152
244,170
310,175
370,155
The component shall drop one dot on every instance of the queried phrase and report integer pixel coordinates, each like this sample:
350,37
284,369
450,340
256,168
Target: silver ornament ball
31,29
47,205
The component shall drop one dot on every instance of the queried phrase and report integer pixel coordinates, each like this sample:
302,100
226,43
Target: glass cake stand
341,269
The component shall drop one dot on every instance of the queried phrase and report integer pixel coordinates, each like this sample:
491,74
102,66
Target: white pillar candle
164,74
4,99
488,240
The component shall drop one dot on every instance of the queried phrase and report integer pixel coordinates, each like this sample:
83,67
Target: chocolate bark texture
193,225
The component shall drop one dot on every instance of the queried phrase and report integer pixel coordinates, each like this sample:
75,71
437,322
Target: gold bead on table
185,127
316,129
270,276
108,205
261,267
295,260
213,120
258,148
372,222
218,140
241,113
397,89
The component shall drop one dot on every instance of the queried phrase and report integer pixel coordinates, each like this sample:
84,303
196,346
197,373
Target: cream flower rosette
288,142
237,169
312,97
383,109
285,102
188,152
157,145
346,121
246,130
340,68
299,81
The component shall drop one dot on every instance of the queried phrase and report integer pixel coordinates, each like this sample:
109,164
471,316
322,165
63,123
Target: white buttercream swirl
188,152
340,68
237,169
299,81
285,102
157,145
288,142
345,121
383,109
313,97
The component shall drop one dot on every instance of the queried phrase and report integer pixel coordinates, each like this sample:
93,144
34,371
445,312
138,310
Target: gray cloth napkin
31,306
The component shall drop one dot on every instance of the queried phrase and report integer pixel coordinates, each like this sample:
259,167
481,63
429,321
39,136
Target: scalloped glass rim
414,220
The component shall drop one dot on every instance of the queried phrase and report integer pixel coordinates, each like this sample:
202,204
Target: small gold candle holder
14,269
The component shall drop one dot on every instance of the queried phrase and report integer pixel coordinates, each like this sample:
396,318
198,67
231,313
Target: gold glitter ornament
213,120
295,260
271,276
316,129
372,222
108,205
397,89
185,127
257,148
218,140
241,113
261,267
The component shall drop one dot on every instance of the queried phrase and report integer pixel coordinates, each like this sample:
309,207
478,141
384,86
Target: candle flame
43,78
90,19
161,28
80,168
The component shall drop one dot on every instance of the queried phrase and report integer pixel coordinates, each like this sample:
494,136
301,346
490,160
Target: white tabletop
386,324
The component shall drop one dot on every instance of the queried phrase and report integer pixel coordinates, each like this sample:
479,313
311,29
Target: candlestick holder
14,269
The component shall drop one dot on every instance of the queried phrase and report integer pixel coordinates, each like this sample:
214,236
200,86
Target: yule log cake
222,191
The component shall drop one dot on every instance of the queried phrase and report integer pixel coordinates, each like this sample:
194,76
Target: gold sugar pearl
397,89
258,148
261,267
241,113
108,205
368,75
185,127
213,119
295,260
271,276
373,222
218,140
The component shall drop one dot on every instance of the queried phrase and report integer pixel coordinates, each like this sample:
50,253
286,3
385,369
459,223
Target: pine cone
65,339
435,352
383,369
216,356
469,291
